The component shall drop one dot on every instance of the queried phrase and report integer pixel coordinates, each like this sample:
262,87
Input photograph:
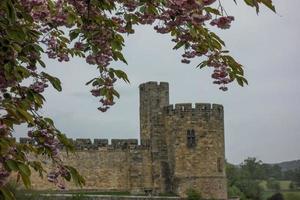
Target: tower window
191,138
219,165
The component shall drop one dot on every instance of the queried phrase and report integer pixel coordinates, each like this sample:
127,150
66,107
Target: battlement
153,84
100,144
198,109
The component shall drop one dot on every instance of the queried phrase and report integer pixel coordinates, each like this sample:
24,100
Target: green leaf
115,93
7,193
212,10
269,4
42,63
77,178
202,64
119,56
37,166
54,81
12,165
217,38
50,121
16,34
74,34
26,180
253,3
38,47
178,45
11,12
24,169
90,81
66,142
122,75
28,117
241,80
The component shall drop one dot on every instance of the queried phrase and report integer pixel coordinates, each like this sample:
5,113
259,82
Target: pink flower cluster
4,174
54,176
222,22
45,138
39,86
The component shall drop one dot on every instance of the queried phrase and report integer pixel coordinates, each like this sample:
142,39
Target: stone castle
181,148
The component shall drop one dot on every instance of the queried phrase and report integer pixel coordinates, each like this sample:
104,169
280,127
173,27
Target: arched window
191,138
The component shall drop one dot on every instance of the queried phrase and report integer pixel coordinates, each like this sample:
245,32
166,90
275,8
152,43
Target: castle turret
153,97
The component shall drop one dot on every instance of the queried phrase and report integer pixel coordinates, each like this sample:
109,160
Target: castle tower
196,152
153,97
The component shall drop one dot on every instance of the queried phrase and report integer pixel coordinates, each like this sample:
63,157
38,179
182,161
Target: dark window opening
219,163
191,138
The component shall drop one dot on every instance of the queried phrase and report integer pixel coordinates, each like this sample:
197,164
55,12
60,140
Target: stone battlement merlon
197,108
87,144
154,84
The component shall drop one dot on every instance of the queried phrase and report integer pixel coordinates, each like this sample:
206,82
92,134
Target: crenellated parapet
153,84
100,144
204,110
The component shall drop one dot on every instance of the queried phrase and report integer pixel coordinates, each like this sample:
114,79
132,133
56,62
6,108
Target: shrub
292,185
193,195
273,185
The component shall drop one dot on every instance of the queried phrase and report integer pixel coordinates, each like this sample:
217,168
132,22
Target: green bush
234,191
273,185
292,185
251,189
193,195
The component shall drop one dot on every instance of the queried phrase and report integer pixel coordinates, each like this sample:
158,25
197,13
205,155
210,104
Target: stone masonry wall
121,166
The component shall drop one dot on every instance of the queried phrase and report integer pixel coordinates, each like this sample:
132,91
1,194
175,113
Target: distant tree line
245,180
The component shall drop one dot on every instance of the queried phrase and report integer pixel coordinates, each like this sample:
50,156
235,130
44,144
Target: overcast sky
261,120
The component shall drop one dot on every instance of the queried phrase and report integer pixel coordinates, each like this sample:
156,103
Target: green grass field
291,195
284,185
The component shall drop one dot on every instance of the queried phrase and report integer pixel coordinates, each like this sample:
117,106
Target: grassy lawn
284,185
291,195
285,190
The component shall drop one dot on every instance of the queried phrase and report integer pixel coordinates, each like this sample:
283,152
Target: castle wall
121,166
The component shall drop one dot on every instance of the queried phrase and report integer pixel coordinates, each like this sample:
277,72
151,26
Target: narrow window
219,165
191,138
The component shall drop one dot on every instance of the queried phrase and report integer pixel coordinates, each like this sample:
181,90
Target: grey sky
261,119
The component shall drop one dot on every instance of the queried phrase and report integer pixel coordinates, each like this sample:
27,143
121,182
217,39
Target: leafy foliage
193,195
92,30
293,175
272,184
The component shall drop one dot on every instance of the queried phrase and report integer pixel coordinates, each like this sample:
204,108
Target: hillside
289,165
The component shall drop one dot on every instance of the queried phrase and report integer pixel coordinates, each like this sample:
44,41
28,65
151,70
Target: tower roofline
154,83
